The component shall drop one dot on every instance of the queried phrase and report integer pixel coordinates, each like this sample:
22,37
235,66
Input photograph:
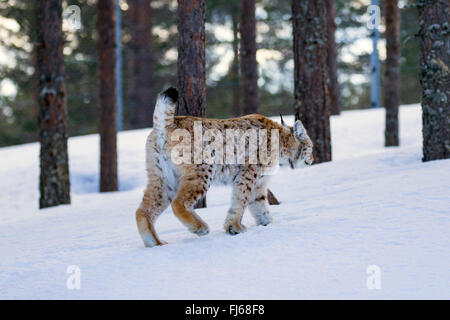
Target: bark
54,182
249,66
191,58
191,62
107,95
435,78
140,14
392,73
236,87
309,20
333,85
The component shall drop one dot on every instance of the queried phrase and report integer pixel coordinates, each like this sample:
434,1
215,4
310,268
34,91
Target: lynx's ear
299,129
282,121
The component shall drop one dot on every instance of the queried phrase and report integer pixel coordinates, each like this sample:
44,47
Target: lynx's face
302,147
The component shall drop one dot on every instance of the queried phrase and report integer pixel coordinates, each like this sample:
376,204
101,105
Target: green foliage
18,113
410,89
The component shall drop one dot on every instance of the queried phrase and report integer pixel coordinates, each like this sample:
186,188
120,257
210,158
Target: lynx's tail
165,109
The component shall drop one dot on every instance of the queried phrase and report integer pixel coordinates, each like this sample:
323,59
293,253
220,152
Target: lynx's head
296,146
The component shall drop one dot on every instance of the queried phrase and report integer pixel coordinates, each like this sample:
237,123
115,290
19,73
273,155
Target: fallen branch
271,198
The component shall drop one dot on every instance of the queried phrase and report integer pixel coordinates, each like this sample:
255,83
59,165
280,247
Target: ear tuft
282,121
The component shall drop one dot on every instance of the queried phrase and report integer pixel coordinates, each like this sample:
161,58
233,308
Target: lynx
183,184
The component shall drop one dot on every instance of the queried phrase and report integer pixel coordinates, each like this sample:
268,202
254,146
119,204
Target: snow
370,206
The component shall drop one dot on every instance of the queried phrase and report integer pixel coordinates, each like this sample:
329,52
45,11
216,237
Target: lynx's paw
150,241
201,229
235,228
161,243
264,219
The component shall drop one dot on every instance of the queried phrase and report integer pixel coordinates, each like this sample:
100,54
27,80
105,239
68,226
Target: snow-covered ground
370,206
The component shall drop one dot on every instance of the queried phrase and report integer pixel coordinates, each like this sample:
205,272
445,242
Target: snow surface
370,206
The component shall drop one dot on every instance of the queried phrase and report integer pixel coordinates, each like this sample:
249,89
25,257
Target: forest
358,91
149,40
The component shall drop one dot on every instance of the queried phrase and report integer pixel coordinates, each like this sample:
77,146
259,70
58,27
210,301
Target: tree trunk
54,181
309,20
249,66
236,87
107,95
140,45
333,85
392,73
435,78
191,58
191,62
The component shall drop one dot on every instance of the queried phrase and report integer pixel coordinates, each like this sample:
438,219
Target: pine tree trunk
107,95
392,73
236,89
309,20
191,62
435,78
249,65
191,58
333,86
54,181
140,44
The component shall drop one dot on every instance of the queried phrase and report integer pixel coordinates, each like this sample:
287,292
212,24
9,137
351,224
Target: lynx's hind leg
193,185
154,202
258,205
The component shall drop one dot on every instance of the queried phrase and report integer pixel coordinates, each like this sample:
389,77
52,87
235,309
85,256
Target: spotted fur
182,185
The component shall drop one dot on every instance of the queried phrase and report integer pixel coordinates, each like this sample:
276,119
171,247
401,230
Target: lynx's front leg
242,191
258,205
